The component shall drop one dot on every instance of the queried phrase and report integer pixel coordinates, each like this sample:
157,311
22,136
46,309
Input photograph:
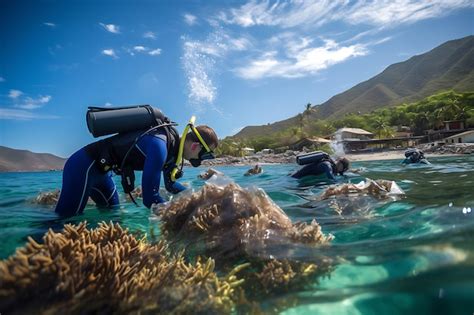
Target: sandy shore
388,155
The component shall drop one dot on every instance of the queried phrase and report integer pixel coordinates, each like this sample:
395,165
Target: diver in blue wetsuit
319,163
88,172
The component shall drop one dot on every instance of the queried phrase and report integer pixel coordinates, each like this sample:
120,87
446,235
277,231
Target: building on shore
463,137
352,133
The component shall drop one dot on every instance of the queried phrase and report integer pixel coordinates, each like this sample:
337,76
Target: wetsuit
319,168
86,175
415,156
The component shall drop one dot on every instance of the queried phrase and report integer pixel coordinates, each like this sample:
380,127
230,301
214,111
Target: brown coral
108,270
235,220
244,223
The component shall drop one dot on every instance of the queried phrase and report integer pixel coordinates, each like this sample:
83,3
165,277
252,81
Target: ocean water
397,256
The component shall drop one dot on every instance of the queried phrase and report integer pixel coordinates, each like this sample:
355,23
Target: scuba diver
414,155
318,163
144,140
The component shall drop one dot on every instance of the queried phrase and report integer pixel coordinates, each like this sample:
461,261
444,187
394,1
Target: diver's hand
157,208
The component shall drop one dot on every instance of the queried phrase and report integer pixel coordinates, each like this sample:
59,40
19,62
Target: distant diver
413,156
144,140
319,163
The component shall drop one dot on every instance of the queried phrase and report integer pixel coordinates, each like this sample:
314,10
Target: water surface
396,256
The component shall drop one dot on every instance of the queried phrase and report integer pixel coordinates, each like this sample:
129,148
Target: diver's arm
327,167
155,150
171,186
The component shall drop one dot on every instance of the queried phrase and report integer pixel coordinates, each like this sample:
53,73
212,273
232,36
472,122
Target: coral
108,270
209,173
379,188
233,222
47,198
50,198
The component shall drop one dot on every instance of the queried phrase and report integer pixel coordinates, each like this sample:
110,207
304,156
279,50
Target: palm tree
380,126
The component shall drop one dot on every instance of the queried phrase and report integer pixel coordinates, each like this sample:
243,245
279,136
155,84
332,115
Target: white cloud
112,28
190,19
149,35
2,79
34,103
155,52
300,59
109,52
108,104
13,94
201,61
381,13
52,25
18,114
140,48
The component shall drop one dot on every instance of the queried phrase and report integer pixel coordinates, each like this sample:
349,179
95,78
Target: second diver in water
319,163
413,156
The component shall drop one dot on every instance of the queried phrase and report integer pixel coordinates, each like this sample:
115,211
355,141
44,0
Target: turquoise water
411,255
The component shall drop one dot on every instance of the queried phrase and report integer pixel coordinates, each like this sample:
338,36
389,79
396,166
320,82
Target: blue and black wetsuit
87,173
315,169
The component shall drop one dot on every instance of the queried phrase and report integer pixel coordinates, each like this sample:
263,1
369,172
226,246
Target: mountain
449,66
12,160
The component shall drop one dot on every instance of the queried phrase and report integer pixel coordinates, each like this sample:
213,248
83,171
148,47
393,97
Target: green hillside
449,66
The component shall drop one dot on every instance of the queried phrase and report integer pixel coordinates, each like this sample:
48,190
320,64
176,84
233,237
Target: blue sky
230,63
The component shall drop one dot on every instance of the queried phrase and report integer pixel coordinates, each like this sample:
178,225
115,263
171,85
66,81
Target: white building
352,134
463,137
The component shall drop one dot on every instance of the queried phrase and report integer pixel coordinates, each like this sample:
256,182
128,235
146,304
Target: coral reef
235,220
254,170
235,223
108,270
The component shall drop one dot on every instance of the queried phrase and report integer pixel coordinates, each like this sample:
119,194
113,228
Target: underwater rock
254,170
209,173
108,270
379,188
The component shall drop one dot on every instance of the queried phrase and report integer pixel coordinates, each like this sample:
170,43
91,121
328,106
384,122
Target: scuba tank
312,157
103,121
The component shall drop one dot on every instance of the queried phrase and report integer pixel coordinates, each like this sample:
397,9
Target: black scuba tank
103,121
312,157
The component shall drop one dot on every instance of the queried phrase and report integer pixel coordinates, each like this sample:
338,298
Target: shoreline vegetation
419,119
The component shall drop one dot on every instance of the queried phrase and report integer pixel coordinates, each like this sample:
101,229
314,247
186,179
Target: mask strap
201,140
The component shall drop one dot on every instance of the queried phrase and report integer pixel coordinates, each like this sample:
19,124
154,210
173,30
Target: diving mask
203,155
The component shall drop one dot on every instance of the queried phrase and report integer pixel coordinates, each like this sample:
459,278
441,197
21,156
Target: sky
230,63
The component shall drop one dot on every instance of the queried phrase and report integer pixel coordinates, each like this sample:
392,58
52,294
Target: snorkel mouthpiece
195,162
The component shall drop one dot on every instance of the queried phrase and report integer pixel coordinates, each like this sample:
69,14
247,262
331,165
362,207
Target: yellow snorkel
179,159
